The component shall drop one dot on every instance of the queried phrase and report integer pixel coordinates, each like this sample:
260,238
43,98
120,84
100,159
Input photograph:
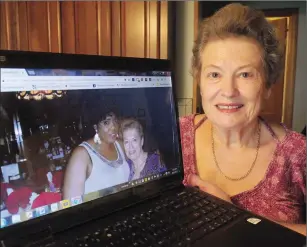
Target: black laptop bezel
67,218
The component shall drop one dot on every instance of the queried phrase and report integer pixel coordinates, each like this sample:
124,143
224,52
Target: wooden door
273,107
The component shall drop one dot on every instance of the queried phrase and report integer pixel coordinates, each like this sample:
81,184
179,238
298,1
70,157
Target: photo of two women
120,142
113,156
84,142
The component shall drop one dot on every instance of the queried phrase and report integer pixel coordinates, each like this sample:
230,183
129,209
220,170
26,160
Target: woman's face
232,82
108,129
133,143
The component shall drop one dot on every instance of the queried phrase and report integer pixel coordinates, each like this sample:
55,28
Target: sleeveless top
103,175
281,194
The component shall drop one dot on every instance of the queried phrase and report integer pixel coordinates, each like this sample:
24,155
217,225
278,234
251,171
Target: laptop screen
71,136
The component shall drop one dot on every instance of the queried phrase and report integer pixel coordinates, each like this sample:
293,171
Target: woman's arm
75,174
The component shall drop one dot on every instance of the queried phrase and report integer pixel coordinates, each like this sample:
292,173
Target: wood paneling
133,29
152,23
37,16
23,26
12,25
86,26
104,28
163,27
3,28
68,27
54,26
117,28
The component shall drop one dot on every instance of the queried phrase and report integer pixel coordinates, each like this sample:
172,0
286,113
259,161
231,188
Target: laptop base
182,217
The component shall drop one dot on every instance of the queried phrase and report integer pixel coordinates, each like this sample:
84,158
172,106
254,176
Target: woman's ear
142,141
95,127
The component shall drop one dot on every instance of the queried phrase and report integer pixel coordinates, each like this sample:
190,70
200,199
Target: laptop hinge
43,237
172,185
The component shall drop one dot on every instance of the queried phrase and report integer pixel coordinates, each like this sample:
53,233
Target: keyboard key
187,210
177,206
194,225
205,202
197,234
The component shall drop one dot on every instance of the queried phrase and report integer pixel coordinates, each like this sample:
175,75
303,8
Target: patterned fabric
281,195
153,166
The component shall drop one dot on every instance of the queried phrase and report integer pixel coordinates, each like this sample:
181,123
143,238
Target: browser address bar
75,79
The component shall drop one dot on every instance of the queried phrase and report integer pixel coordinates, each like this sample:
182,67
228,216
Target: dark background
70,116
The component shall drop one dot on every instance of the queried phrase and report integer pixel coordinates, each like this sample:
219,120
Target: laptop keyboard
177,221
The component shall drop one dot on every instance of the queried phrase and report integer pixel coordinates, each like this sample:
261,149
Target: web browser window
73,136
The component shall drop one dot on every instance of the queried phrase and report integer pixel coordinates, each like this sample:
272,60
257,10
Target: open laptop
47,103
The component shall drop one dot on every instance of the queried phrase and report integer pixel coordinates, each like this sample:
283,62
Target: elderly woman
143,164
99,162
231,152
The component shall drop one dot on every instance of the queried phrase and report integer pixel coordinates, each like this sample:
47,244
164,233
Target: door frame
195,84
290,60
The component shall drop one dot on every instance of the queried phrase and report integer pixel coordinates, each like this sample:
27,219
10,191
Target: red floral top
281,195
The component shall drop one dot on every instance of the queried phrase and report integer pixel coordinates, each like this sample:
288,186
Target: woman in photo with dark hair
99,162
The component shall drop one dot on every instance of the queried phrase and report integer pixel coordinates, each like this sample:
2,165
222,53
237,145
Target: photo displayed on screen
59,148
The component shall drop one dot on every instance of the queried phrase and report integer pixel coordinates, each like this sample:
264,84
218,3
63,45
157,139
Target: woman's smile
229,108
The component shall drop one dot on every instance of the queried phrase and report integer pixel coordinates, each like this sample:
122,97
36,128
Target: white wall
184,44
183,54
183,48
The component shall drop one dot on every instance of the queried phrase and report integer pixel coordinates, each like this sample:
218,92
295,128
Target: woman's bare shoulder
80,154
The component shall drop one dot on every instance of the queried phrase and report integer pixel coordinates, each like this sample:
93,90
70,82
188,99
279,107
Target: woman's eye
246,74
214,75
105,123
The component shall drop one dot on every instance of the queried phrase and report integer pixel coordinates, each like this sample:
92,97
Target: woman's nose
229,88
112,126
129,146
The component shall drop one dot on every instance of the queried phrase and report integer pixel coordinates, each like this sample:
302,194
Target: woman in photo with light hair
142,164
